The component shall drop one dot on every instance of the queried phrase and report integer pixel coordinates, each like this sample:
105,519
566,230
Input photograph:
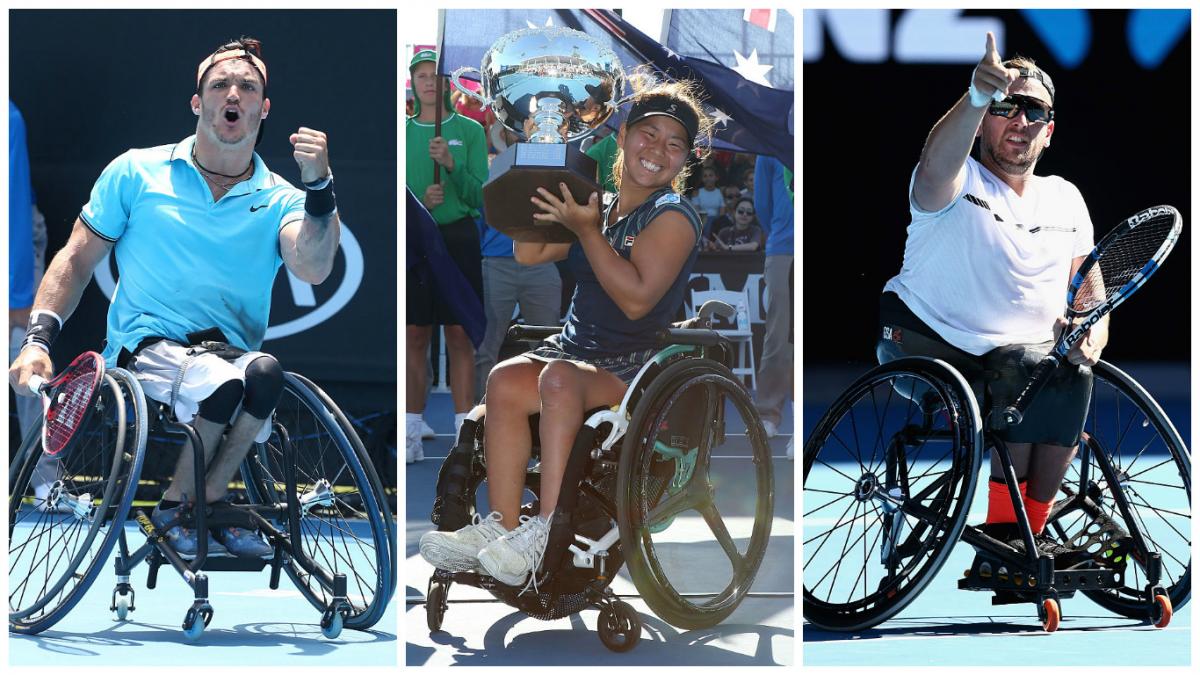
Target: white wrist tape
980,99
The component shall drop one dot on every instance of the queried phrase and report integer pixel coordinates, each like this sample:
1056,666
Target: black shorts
426,305
1055,416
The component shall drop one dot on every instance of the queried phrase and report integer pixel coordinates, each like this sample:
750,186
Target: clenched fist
311,150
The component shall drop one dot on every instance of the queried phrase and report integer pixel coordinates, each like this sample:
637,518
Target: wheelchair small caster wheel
435,605
1161,611
1050,613
620,627
331,624
196,620
122,605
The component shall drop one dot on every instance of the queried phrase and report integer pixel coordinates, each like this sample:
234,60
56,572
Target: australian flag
744,59
428,259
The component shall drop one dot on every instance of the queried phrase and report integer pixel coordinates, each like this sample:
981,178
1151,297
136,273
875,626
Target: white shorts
169,374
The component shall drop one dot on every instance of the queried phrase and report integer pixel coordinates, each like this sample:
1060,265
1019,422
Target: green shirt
604,151
464,185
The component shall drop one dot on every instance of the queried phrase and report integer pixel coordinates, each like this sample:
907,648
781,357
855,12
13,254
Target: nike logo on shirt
255,208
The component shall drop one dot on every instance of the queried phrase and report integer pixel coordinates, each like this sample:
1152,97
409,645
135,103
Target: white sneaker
427,432
458,551
512,557
791,448
771,428
414,447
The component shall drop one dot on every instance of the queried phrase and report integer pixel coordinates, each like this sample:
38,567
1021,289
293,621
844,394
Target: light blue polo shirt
185,262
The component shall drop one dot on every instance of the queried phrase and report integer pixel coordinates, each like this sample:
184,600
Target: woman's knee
559,383
511,382
264,386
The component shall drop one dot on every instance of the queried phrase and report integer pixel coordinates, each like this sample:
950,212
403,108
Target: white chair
741,335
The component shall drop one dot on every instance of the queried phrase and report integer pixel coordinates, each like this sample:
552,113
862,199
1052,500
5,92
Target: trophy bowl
551,87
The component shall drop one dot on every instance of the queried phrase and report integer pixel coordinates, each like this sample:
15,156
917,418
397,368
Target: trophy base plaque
519,171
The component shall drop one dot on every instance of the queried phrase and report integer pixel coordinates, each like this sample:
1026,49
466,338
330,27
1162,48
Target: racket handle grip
1014,413
35,383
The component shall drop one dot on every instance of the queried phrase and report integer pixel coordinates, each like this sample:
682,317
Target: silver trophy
551,87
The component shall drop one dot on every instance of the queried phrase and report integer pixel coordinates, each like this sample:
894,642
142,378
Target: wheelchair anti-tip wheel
889,474
684,455
59,542
345,523
1152,468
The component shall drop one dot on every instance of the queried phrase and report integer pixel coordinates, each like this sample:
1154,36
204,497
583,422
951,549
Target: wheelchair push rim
889,475
651,455
348,530
1153,470
106,462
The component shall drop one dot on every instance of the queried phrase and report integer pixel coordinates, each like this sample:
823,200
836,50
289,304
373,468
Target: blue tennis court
248,617
948,626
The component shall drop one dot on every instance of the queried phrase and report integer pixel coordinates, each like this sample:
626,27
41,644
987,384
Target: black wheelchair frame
585,516
324,589
948,414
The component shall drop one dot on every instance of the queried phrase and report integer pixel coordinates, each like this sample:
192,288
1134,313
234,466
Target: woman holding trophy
632,260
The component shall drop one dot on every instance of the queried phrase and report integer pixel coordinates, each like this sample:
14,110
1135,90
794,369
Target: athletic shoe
458,551
414,448
512,557
771,428
427,432
1010,533
791,448
244,543
182,539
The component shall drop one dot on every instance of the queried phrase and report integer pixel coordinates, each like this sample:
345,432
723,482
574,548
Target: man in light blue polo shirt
198,229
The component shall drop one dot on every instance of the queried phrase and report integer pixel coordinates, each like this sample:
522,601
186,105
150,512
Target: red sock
1038,513
1000,506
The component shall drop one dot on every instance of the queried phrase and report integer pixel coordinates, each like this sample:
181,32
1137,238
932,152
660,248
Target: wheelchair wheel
1153,468
684,452
889,474
58,544
353,531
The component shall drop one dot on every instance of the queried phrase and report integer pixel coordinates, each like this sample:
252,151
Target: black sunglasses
1035,111
744,212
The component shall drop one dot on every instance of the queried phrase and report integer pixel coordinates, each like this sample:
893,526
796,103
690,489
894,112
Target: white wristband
980,99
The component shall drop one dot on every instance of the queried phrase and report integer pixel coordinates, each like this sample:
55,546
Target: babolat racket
1114,270
67,400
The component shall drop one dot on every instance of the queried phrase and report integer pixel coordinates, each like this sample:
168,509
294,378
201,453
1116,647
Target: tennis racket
1114,270
67,400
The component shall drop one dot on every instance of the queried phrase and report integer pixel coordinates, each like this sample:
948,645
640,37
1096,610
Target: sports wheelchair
890,471
633,471
312,489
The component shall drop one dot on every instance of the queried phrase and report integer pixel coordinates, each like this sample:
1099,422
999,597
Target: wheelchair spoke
717,525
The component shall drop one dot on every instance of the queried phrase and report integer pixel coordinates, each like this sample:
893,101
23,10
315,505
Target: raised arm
308,246
62,286
939,175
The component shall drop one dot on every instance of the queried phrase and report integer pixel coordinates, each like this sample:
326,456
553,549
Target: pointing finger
990,50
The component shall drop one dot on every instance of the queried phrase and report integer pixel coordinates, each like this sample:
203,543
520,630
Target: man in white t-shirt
990,251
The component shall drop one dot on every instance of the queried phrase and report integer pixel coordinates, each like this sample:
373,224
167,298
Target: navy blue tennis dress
597,332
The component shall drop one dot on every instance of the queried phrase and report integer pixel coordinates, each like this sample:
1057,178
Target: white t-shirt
992,267
709,202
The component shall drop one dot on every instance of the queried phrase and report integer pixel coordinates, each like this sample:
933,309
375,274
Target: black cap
1036,74
665,104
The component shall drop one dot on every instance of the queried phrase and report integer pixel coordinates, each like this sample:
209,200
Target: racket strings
1121,262
68,407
